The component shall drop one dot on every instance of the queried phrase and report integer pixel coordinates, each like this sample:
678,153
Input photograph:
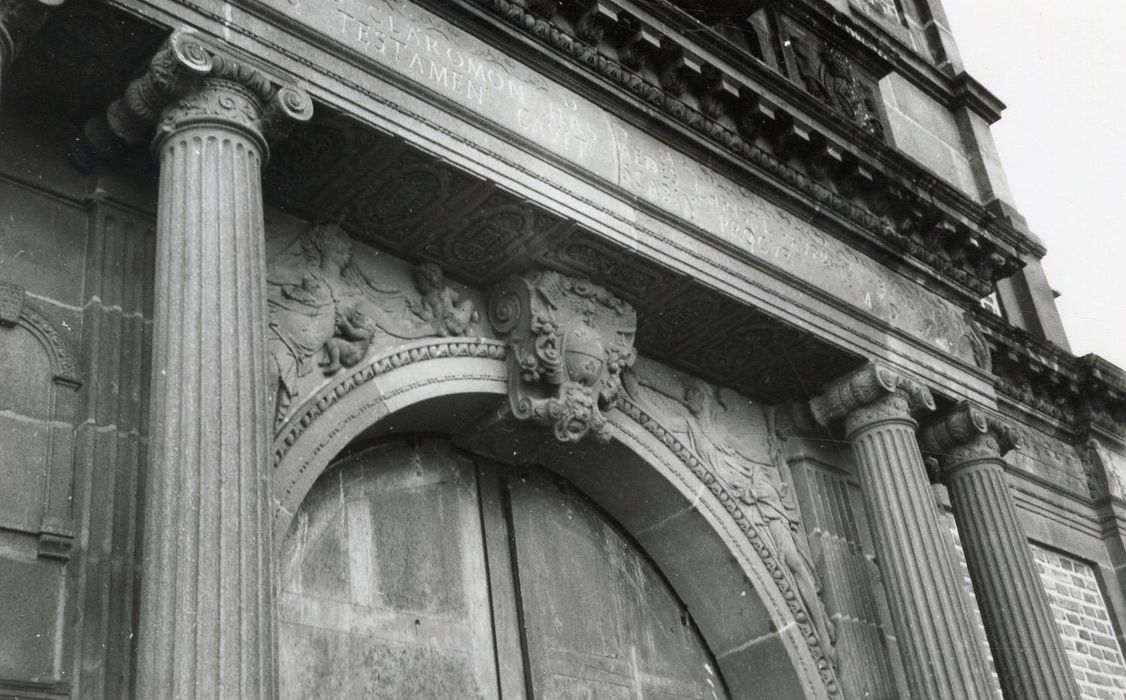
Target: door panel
599,621
412,572
384,592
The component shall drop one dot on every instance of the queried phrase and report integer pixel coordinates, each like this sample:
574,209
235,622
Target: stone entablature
895,202
1085,394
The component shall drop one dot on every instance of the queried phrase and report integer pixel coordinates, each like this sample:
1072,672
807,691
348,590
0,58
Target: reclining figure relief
744,457
329,308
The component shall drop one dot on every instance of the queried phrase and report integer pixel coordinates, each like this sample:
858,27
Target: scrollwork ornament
967,435
570,339
190,81
872,393
215,102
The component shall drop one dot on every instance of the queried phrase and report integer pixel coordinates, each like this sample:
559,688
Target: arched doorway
414,570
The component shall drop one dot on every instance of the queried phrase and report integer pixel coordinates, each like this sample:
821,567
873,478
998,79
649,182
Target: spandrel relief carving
737,444
330,309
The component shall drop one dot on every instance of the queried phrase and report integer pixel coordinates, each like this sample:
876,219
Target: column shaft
941,656
206,616
1027,650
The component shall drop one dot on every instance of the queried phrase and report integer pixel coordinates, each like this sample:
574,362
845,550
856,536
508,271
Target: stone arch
643,478
47,408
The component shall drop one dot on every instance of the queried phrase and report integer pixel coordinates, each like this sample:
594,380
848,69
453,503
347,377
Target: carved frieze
570,339
328,309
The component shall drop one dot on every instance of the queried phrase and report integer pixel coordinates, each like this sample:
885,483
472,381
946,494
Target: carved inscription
428,51
676,183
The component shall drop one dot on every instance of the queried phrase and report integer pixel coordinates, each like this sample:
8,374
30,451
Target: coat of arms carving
570,339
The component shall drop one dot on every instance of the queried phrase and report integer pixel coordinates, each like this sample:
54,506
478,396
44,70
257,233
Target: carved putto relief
741,451
328,309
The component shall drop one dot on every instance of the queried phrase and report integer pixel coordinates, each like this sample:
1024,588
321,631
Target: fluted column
207,578
941,656
19,18
1027,650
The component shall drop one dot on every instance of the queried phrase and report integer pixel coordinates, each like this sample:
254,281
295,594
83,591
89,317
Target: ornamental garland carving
570,339
328,309
721,438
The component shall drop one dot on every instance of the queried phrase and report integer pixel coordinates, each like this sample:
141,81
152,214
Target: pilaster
1029,656
940,654
207,579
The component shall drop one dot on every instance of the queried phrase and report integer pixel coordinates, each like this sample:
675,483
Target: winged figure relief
706,418
327,309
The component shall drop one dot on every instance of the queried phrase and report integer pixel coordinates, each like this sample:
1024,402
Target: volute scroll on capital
189,80
865,388
967,434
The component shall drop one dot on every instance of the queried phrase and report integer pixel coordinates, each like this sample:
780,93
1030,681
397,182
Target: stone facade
524,348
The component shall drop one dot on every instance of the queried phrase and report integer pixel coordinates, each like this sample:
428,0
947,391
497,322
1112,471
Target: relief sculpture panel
735,441
330,308
417,46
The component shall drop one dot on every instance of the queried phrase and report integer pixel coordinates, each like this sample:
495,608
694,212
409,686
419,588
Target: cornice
1087,395
897,205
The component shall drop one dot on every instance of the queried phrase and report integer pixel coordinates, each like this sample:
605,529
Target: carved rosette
967,435
188,82
570,339
868,395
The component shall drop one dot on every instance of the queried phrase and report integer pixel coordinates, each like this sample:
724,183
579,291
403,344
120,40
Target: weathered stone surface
429,51
208,553
1027,651
111,447
30,611
941,657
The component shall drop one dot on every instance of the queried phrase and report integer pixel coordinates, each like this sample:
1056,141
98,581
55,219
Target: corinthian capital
189,80
865,386
967,433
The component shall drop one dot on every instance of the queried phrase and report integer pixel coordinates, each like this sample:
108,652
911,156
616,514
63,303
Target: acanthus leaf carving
570,339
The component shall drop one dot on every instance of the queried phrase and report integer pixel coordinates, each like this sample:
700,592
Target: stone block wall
76,258
928,132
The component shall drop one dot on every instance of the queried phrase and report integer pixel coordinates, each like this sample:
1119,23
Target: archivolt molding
747,527
431,349
419,351
14,310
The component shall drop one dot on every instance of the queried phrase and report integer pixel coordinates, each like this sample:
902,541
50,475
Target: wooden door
413,571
